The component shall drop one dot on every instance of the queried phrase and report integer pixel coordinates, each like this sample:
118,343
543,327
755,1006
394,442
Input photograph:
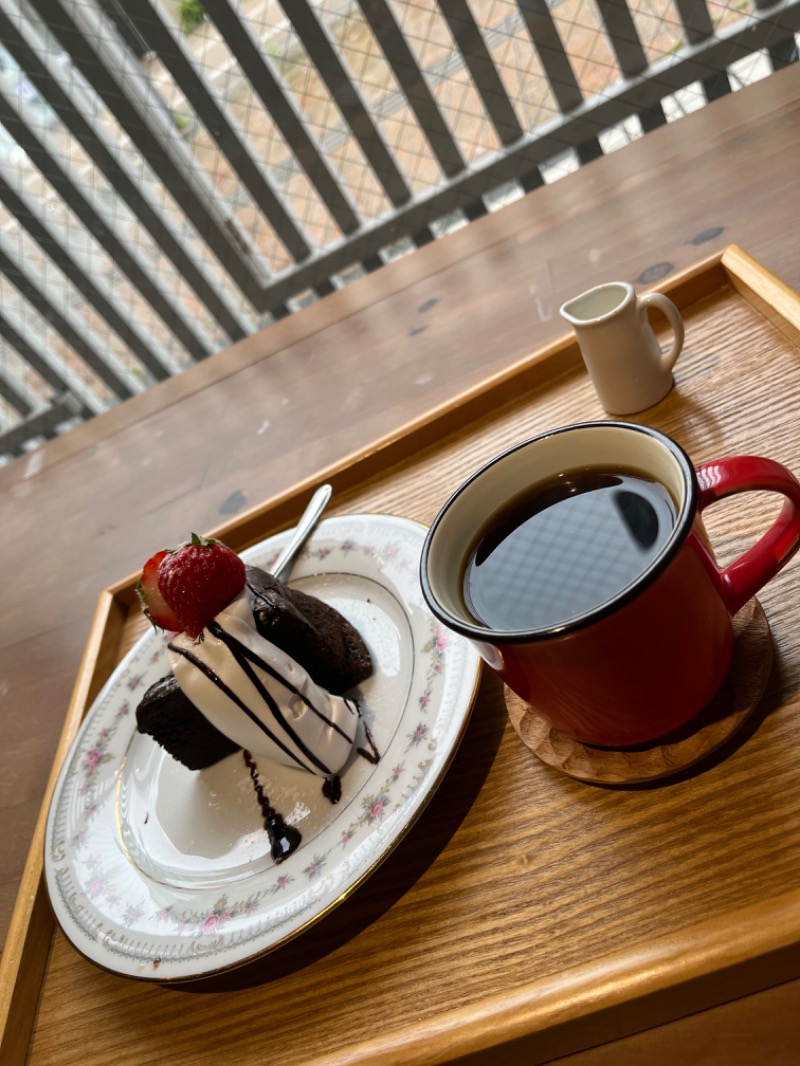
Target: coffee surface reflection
565,547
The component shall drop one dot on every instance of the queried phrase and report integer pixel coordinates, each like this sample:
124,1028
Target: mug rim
687,510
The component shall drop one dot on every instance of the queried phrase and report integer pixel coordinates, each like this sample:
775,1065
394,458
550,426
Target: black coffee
565,547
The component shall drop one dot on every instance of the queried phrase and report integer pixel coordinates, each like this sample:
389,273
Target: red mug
647,658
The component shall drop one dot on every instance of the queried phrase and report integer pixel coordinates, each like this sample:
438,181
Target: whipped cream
260,697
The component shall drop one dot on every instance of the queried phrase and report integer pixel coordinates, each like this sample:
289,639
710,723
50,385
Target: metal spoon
316,506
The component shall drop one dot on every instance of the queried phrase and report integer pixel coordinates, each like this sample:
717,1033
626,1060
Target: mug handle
673,316
760,563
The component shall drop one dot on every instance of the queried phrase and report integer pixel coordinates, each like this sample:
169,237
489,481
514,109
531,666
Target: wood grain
524,903
274,410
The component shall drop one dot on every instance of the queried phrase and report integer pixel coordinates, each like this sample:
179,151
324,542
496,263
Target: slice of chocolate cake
168,716
310,631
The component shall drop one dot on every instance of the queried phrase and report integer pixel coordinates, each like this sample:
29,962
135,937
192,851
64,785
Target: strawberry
198,580
153,603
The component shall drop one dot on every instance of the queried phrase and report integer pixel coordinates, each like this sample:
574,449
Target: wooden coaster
707,731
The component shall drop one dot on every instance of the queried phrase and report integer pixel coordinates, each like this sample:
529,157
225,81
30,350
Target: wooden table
248,424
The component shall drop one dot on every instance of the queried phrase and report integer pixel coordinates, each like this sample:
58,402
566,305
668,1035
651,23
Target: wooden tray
525,909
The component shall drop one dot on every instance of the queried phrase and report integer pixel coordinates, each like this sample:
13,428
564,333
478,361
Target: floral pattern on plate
141,892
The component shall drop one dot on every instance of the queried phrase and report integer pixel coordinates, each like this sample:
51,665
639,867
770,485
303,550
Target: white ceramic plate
165,874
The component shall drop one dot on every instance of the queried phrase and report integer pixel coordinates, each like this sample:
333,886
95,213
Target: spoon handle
316,506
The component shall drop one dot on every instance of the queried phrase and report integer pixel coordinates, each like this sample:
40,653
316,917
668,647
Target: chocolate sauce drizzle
332,788
246,659
283,838
373,755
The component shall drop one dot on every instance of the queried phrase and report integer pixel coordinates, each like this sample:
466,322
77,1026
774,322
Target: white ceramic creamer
625,361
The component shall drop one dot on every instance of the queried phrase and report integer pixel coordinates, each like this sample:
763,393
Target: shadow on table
407,863
772,700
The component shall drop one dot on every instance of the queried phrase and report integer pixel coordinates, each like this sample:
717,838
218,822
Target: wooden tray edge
614,996
560,356
772,297
30,932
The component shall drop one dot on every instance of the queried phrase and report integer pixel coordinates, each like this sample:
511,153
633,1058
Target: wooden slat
29,941
44,423
77,335
282,109
220,124
484,73
411,80
626,43
317,42
107,66
87,129
697,23
32,216
557,66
